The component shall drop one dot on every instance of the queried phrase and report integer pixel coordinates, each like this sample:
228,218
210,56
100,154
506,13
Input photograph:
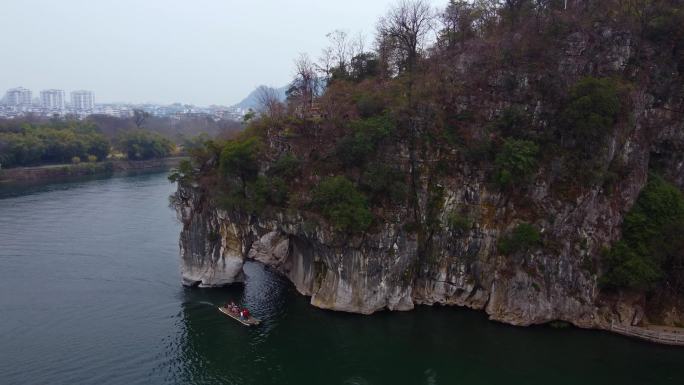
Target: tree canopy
143,145
53,142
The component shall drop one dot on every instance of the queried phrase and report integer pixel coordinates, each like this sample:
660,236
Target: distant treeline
31,142
176,130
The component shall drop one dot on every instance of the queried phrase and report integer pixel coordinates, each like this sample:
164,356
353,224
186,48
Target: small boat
251,321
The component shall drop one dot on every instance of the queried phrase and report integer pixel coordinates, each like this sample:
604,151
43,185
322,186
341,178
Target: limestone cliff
394,266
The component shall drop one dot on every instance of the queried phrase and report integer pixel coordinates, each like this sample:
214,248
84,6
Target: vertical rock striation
210,245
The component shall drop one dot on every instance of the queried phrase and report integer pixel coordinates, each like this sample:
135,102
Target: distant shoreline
61,171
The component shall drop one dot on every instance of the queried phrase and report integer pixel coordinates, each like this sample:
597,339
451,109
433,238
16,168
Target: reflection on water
216,349
90,293
298,344
13,189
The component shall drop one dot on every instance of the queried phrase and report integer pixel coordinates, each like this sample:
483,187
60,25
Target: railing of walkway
661,337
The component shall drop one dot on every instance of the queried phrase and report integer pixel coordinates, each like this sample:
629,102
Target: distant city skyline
20,102
55,97
165,51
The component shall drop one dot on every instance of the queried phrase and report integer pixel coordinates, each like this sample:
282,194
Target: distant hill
252,100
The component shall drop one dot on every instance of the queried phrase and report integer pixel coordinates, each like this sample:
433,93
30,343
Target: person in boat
244,313
230,306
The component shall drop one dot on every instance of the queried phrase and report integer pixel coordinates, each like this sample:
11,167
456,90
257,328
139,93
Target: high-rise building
18,97
82,100
52,99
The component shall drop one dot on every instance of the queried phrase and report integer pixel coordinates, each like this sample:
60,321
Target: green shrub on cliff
513,122
265,191
183,173
522,238
516,162
629,269
652,245
376,128
287,166
243,188
459,222
257,194
589,116
342,204
664,23
382,181
354,149
586,121
369,105
239,159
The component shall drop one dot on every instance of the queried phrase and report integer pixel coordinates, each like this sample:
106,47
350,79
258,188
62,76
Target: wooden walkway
657,336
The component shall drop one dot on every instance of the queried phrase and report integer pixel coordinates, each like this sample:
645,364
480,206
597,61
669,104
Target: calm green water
90,294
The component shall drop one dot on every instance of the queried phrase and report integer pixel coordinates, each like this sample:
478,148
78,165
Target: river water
90,294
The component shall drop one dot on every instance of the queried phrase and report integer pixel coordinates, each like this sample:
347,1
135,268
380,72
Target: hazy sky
191,51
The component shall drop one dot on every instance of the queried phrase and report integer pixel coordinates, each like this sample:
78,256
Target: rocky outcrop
210,245
394,267
384,269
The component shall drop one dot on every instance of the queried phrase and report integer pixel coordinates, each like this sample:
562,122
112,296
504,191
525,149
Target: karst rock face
392,267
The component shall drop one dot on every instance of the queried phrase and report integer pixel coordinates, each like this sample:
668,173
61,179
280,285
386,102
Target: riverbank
60,171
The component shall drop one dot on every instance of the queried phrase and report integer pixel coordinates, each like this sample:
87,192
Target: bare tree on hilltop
341,48
326,64
404,30
458,21
269,101
337,61
304,88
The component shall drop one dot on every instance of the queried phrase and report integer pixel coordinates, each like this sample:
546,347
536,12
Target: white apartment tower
52,99
18,97
82,100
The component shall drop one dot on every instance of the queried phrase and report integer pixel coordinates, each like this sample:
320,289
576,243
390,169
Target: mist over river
90,294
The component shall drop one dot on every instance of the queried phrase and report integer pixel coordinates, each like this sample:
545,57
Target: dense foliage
35,141
515,162
586,121
143,145
254,196
591,112
239,159
523,237
354,150
55,142
183,173
287,166
384,182
652,247
243,188
342,204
